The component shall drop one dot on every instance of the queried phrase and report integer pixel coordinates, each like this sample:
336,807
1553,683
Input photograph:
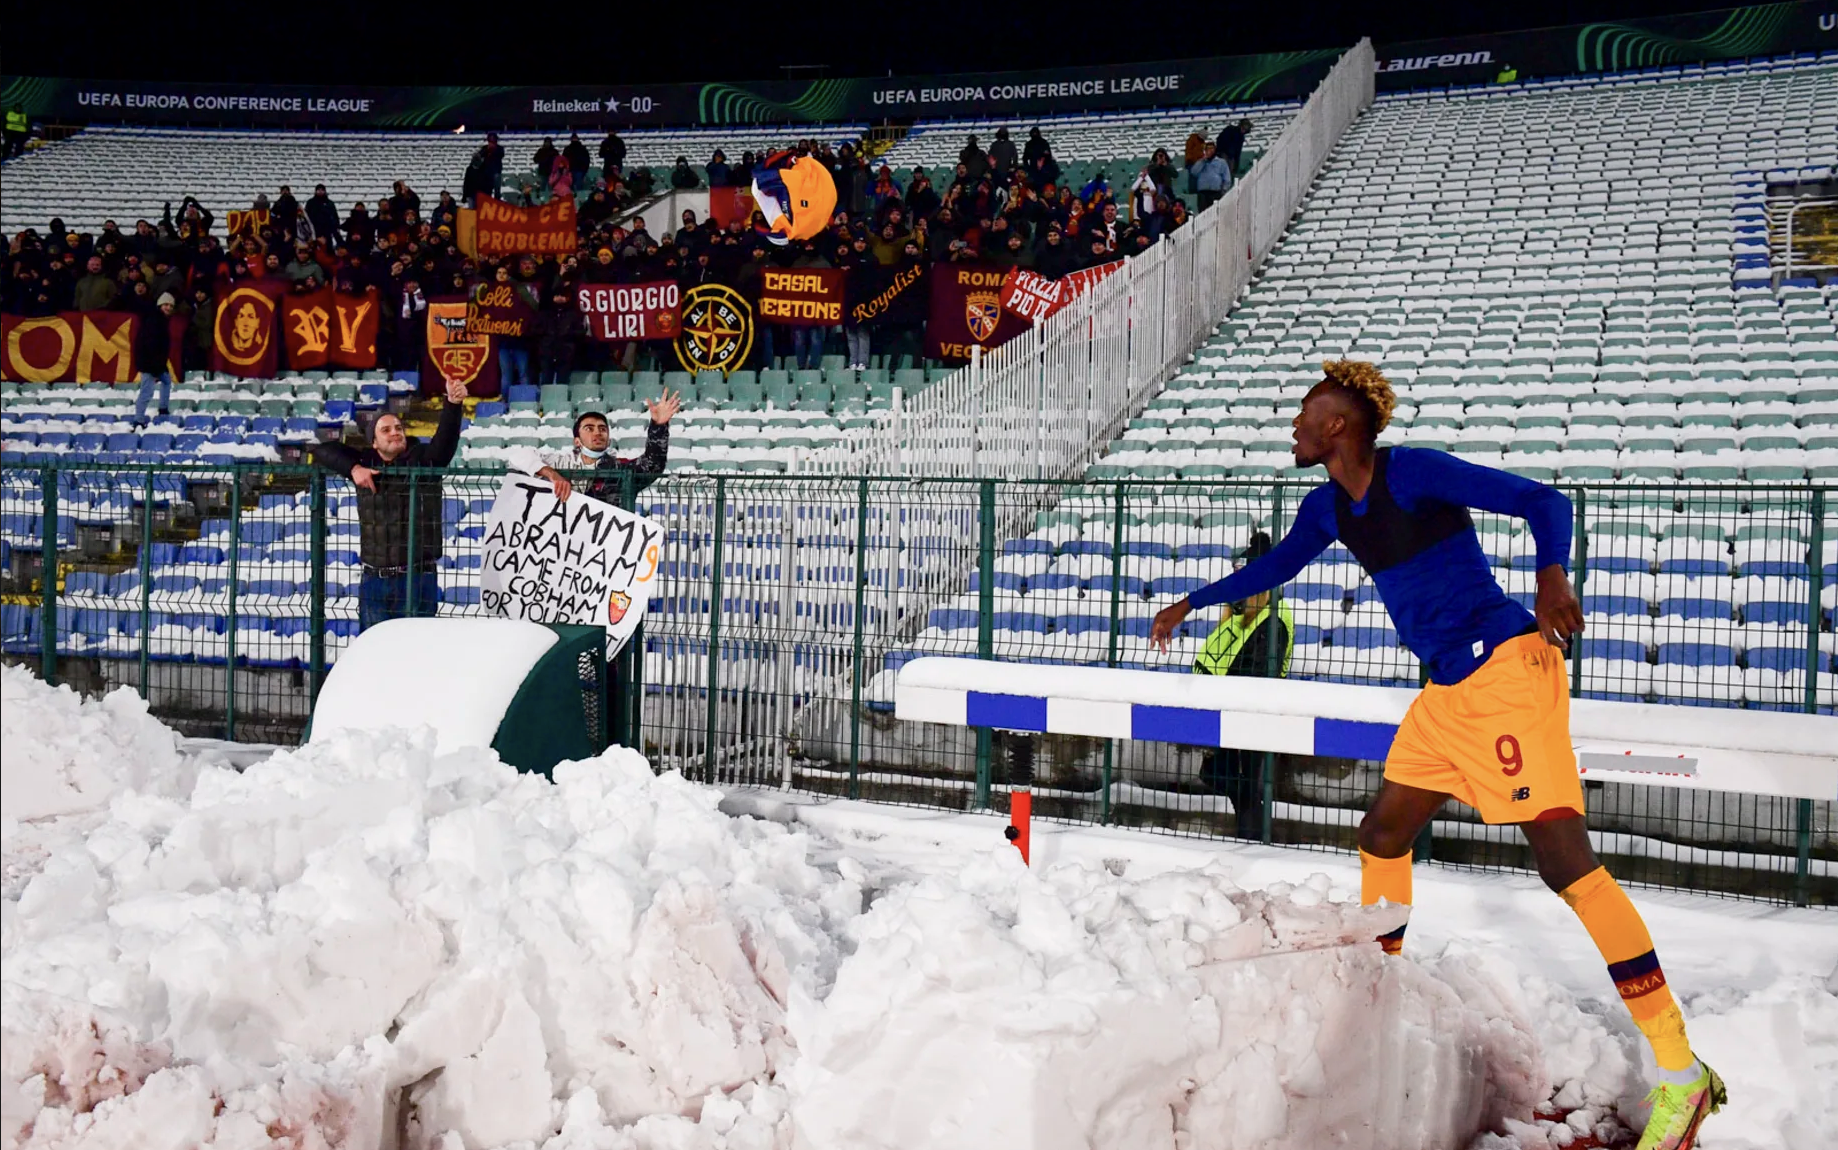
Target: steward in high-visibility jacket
1240,644
16,120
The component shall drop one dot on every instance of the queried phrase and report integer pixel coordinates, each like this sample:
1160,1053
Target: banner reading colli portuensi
632,311
802,297
503,230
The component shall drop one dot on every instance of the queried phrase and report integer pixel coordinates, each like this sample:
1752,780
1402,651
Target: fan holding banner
796,195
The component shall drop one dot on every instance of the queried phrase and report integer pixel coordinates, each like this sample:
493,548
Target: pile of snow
1072,1007
64,754
365,929
370,943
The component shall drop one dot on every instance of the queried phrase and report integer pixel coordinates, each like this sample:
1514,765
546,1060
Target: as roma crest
717,329
452,346
982,313
617,604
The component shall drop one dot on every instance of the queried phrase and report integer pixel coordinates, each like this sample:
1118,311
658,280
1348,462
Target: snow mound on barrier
1071,1007
61,753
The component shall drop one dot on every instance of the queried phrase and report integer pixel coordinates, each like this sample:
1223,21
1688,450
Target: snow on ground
367,943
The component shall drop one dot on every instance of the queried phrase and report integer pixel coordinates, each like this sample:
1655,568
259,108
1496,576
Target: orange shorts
1499,740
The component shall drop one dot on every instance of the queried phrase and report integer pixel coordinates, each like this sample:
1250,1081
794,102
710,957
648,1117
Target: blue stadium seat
1006,580
948,619
1053,581
1365,638
1085,547
1082,624
1130,585
1023,621
1782,612
1696,655
1028,547
1777,658
1695,607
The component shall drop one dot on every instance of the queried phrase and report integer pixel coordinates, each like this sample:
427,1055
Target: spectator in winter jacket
592,438
322,215
975,163
1035,147
303,266
153,354
1054,258
683,177
95,291
718,170
1212,177
1002,154
1231,143
286,210
395,582
922,200
1096,192
576,155
612,153
557,332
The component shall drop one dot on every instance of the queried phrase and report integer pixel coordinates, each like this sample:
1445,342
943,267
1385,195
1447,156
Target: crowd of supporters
1004,206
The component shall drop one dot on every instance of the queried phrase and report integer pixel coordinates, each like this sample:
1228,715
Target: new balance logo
1521,794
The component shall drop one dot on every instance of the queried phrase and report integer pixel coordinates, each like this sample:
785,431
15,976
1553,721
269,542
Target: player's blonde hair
1363,380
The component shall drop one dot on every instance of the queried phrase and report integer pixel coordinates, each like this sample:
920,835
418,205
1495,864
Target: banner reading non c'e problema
578,560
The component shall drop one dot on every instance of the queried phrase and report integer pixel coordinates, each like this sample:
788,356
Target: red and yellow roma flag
306,324
455,351
245,342
967,312
69,347
506,231
355,319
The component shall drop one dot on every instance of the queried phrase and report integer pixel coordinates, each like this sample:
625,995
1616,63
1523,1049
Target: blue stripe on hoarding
1347,739
1190,725
1009,712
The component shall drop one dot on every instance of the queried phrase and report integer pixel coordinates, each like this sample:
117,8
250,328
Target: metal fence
1044,404
786,606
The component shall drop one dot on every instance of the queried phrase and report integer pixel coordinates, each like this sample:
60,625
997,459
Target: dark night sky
260,40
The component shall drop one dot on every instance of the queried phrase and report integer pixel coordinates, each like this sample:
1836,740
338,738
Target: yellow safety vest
1230,637
16,122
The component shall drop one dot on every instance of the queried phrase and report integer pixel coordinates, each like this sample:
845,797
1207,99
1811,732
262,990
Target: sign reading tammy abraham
579,561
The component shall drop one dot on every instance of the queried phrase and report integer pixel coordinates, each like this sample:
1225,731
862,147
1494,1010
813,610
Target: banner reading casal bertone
1728,33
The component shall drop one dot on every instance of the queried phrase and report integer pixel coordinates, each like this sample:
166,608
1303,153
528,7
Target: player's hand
563,488
1558,613
1166,620
665,406
456,391
365,477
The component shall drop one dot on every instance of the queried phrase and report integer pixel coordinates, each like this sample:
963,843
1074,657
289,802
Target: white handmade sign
579,561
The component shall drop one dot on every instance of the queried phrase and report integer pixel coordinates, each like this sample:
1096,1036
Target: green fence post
1273,663
985,623
229,655
1802,815
631,682
48,567
316,595
144,565
861,598
409,571
1116,625
1580,502
714,629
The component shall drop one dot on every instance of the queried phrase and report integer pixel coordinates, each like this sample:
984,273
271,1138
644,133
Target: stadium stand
1552,276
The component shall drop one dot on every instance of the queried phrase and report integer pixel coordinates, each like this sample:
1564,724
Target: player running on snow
1492,728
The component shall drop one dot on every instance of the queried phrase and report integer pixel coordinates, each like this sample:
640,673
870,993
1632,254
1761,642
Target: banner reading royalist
506,231
802,297
1034,297
69,347
244,342
580,561
967,312
886,295
632,311
454,351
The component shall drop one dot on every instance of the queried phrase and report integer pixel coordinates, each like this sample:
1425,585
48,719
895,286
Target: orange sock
1388,879
1620,934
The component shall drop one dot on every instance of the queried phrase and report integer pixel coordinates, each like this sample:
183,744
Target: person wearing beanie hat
153,355
1256,638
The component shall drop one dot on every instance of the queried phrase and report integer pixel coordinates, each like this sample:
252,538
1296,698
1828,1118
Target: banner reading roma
69,347
888,295
504,230
1034,297
967,312
802,297
454,351
632,311
244,342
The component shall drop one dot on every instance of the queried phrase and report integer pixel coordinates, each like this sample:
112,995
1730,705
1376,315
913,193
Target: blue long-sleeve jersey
1413,535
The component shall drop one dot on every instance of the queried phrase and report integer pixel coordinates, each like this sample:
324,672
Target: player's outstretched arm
1312,534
